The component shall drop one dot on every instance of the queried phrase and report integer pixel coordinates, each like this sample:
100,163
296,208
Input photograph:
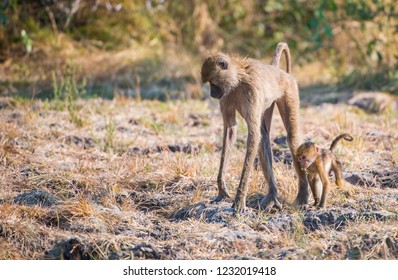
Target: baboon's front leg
253,140
228,142
316,188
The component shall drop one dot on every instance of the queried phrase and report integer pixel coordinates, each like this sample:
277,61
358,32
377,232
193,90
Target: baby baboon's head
306,154
221,73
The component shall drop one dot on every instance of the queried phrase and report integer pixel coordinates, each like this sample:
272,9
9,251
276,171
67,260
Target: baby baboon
319,163
252,88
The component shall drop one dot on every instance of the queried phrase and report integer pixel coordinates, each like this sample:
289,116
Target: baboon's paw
219,198
269,202
239,207
301,201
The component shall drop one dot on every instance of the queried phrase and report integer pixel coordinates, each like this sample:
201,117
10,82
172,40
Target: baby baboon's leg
325,184
228,142
253,140
265,156
337,167
316,188
288,107
338,173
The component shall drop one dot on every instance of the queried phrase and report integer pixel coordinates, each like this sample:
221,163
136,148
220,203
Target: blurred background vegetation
154,48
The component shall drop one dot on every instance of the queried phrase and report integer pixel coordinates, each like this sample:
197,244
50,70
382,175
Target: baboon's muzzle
216,91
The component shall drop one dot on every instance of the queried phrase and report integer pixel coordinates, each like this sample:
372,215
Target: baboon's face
306,154
221,74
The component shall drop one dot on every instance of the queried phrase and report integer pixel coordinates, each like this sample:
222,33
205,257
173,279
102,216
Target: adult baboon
253,88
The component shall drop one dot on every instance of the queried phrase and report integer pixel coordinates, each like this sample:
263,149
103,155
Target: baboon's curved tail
282,47
344,136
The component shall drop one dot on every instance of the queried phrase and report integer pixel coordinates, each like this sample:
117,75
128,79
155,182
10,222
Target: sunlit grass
116,189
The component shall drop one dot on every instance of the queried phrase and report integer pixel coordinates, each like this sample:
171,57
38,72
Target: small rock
146,251
380,215
187,148
337,219
280,223
174,148
374,102
184,148
391,244
189,211
376,178
134,151
147,151
219,214
361,179
244,258
354,254
387,179
285,253
116,255
134,122
281,140
210,214
36,197
71,249
329,97
85,143
318,219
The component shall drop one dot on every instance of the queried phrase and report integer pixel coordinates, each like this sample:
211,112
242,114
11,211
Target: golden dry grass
112,197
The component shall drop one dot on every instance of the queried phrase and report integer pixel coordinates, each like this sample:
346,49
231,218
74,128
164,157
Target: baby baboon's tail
282,47
344,136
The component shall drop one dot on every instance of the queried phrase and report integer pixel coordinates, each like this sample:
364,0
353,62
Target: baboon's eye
303,158
222,63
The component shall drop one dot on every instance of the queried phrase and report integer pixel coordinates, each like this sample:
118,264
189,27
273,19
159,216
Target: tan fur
252,88
319,163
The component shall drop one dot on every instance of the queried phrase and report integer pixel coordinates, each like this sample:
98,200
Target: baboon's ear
317,150
222,63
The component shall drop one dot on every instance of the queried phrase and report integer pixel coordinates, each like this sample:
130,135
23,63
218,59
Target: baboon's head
306,154
221,73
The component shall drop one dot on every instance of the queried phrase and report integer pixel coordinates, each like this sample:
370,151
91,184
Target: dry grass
112,197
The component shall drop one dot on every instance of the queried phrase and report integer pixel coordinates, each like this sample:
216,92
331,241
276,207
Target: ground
125,178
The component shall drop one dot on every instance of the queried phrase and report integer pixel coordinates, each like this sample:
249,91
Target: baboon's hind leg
338,174
288,106
337,167
265,156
